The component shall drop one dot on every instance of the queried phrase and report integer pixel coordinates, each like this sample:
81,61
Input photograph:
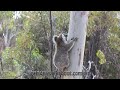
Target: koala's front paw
75,39
72,38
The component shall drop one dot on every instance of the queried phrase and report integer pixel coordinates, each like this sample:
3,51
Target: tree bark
77,28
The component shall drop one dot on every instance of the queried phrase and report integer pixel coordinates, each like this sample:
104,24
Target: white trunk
77,28
6,38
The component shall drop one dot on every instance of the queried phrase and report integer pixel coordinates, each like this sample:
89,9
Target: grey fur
62,47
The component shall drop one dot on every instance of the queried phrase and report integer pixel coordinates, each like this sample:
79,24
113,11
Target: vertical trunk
77,28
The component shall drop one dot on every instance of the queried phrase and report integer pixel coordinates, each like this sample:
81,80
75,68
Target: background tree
104,24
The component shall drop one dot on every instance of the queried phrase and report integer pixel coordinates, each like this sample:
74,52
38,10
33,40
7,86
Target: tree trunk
77,28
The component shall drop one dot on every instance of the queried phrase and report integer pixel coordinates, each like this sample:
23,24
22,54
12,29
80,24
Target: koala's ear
55,38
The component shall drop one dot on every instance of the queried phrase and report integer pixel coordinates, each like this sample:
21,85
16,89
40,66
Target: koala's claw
75,39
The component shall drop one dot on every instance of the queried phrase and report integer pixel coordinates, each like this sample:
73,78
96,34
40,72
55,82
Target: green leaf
101,56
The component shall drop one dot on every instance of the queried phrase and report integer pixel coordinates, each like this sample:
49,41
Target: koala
62,47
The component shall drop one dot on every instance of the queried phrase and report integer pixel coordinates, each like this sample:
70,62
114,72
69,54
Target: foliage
9,75
23,53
